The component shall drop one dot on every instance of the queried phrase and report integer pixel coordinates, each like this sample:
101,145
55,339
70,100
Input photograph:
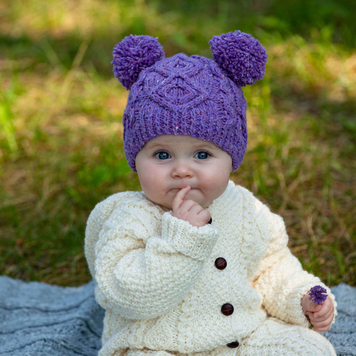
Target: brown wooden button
227,309
233,344
220,263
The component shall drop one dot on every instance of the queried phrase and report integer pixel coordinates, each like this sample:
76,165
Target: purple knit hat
183,95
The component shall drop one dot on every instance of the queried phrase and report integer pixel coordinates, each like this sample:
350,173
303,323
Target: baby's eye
163,155
203,154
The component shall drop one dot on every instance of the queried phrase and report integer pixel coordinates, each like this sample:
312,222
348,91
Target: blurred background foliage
61,148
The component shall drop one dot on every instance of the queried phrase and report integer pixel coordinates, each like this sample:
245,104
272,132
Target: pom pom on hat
240,55
132,55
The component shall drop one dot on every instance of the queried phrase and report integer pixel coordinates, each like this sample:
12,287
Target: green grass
61,148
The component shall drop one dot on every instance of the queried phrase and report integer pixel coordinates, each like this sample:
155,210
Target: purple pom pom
318,294
240,55
132,55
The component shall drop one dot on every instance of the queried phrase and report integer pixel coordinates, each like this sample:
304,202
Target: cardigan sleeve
143,272
281,280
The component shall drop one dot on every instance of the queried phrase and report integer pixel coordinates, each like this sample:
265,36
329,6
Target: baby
195,264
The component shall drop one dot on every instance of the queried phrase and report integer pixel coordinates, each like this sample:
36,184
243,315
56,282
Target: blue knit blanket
40,319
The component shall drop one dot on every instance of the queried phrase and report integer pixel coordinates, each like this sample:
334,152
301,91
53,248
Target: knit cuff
333,300
195,242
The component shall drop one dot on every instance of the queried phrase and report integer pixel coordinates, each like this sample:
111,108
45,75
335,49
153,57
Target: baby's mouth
182,188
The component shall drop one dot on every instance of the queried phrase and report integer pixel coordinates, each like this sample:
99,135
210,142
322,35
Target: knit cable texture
157,280
184,95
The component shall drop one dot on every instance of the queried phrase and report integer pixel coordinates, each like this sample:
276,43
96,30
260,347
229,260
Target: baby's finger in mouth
179,198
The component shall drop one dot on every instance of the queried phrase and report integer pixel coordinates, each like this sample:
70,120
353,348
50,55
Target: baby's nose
182,169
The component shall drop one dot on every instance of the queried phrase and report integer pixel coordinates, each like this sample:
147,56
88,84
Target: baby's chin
162,204
204,205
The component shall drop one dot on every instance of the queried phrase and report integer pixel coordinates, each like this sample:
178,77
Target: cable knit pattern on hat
157,280
184,95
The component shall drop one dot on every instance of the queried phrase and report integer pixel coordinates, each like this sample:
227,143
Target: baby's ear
132,55
240,55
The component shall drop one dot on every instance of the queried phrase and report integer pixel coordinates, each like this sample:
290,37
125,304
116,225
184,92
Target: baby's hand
320,316
189,210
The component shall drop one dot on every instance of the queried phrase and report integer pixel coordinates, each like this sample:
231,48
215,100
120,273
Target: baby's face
168,163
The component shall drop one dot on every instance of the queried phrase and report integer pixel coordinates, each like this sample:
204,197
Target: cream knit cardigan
158,283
